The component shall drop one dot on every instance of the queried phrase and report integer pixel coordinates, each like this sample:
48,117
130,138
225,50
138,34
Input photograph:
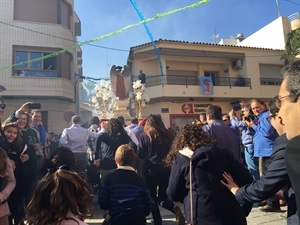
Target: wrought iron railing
270,81
194,80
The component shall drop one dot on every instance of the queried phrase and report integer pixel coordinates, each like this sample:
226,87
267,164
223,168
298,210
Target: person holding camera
247,138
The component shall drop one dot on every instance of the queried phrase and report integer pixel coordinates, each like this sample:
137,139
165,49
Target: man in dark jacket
289,104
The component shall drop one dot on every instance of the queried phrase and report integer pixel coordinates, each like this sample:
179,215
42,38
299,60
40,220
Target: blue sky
228,17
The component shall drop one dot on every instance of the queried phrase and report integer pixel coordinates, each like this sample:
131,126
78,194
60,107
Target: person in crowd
247,139
60,157
289,104
37,124
265,134
129,131
154,145
61,197
92,172
202,118
222,134
106,145
7,185
15,201
134,123
276,176
53,141
30,144
142,77
124,193
263,141
226,120
75,138
197,168
137,132
139,128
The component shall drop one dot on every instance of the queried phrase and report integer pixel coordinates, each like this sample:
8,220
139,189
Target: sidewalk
256,217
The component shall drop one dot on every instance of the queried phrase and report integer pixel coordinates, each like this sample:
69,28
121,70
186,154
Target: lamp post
103,99
139,97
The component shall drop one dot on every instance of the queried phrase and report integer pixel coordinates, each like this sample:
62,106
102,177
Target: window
213,74
44,11
65,14
34,64
270,74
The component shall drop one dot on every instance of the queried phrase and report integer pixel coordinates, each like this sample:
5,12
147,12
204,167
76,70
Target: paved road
256,217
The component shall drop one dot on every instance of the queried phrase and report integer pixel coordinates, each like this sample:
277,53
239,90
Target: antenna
277,5
215,36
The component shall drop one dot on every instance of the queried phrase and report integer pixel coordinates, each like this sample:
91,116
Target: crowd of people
217,167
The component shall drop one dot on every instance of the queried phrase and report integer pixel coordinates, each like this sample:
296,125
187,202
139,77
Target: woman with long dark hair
107,143
154,145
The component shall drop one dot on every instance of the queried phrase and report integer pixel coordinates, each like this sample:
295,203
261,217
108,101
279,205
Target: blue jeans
251,161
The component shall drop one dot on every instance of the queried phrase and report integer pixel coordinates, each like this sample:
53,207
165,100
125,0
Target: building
31,32
250,68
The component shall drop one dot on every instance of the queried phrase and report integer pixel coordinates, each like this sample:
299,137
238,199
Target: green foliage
292,47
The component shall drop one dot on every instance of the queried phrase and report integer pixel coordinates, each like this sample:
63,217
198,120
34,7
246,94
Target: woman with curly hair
61,198
154,145
107,143
210,202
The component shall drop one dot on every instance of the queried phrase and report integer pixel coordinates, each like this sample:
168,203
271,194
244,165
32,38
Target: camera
236,106
249,118
34,106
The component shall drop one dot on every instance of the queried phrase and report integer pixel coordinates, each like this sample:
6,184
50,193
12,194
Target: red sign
187,108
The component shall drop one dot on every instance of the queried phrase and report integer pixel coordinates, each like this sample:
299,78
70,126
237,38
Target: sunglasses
2,106
54,169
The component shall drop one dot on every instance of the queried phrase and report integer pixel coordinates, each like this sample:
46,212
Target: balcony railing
194,80
270,81
35,73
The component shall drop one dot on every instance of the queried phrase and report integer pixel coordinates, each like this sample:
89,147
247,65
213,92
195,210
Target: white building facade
39,60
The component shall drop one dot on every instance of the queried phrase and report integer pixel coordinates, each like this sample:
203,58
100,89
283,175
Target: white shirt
75,138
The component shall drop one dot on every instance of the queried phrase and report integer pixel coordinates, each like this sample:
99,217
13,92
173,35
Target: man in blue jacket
263,141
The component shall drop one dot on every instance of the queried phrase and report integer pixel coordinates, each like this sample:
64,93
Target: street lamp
103,99
139,98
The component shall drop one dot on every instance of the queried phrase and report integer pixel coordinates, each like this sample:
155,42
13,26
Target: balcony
270,81
35,73
194,81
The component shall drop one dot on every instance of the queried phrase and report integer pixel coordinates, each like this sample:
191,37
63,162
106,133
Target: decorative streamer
149,34
159,15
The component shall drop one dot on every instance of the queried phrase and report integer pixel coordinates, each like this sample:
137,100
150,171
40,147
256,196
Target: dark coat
292,160
213,203
108,148
272,181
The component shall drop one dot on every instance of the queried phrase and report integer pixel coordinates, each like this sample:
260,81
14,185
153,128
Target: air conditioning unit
237,64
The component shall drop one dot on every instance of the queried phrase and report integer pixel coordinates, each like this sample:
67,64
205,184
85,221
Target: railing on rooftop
294,16
193,80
